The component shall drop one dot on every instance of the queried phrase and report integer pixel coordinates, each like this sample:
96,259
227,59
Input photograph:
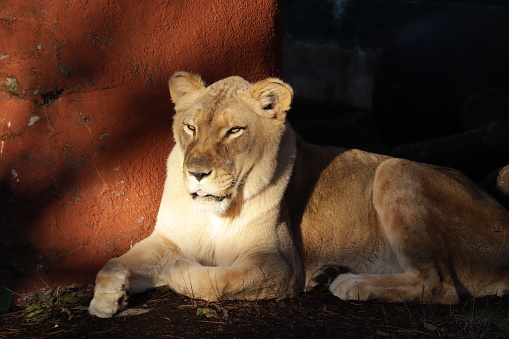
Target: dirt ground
162,313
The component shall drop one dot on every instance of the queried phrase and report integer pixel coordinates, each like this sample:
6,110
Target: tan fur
250,211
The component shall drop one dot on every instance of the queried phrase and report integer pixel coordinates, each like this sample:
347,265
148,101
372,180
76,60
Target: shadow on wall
87,183
82,167
86,121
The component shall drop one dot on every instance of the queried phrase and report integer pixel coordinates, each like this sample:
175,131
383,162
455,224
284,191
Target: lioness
251,211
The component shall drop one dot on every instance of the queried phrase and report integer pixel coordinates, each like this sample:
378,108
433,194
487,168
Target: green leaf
80,308
32,307
70,299
5,299
34,313
41,318
43,305
67,311
41,297
208,312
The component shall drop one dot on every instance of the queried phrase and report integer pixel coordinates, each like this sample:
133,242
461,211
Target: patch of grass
58,300
215,310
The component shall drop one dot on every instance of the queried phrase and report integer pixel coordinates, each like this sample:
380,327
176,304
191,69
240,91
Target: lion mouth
202,194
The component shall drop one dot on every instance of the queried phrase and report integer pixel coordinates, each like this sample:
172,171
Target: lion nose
199,175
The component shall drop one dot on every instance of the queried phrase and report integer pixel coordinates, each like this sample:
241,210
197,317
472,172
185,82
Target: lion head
229,134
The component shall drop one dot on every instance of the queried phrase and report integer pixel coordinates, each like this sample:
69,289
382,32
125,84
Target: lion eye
269,106
234,130
189,128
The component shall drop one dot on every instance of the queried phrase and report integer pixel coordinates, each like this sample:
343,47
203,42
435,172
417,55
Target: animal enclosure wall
85,119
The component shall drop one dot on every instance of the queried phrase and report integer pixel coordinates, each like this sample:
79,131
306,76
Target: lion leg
403,287
419,282
134,272
403,208
261,277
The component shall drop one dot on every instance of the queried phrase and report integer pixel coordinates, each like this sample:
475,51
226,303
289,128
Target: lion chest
212,241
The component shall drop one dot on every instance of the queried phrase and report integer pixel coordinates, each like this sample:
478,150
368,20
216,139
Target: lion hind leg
403,287
498,285
406,213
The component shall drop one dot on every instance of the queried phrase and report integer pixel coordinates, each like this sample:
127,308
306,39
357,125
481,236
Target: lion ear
274,97
182,83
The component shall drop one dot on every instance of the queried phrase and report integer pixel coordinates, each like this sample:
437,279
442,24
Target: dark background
423,80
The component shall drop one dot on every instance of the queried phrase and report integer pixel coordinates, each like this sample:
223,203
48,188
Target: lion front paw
350,286
106,305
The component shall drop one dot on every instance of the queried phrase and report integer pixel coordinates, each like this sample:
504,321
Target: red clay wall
85,119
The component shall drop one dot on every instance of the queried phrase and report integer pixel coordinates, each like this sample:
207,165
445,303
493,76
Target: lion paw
350,286
106,305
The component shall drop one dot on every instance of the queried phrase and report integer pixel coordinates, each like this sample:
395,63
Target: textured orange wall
85,119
